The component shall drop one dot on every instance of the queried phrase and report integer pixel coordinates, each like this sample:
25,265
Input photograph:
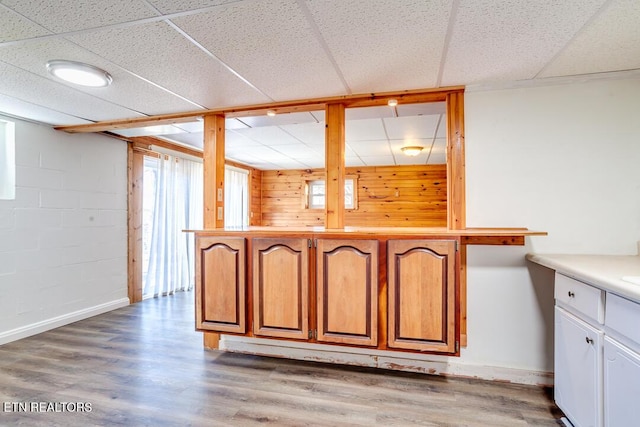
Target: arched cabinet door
221,284
347,291
281,288
421,295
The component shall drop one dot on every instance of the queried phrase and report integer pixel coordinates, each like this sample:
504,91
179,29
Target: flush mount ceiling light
412,150
271,113
392,102
79,73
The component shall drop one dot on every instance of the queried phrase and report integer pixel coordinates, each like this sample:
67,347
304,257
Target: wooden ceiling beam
350,101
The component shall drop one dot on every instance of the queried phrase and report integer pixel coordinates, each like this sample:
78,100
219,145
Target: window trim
308,184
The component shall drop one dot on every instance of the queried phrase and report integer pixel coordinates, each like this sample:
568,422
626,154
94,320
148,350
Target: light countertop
602,271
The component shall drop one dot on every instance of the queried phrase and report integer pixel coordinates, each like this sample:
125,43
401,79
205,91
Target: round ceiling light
412,150
79,73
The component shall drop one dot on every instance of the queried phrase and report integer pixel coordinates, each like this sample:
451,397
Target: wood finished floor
144,365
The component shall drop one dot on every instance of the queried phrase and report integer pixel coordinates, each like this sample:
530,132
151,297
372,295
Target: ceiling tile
35,89
72,15
609,43
278,119
173,6
178,66
437,159
191,127
353,161
316,162
412,127
19,108
420,159
368,113
423,109
268,135
298,150
192,139
13,26
370,148
270,44
311,134
384,45
378,160
364,130
497,40
235,139
148,98
149,131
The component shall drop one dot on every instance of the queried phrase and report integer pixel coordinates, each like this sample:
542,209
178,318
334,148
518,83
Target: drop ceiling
169,56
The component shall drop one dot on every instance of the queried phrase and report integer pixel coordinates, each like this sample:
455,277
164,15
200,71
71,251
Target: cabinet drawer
579,297
623,318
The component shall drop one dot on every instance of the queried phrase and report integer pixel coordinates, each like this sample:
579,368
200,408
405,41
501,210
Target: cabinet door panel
578,369
347,291
422,295
281,287
621,384
220,284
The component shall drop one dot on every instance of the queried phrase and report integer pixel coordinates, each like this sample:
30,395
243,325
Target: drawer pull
571,294
589,340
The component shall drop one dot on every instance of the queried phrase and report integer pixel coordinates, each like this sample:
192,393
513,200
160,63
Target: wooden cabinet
347,291
220,284
281,288
375,292
421,295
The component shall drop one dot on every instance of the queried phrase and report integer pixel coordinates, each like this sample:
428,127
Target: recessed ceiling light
392,102
79,73
412,150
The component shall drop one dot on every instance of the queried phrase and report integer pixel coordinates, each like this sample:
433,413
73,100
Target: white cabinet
621,362
621,385
578,369
578,343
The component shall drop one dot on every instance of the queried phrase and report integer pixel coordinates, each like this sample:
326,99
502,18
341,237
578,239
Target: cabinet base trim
426,364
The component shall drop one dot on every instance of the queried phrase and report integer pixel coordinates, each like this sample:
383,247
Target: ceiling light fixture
392,102
79,73
412,150
271,113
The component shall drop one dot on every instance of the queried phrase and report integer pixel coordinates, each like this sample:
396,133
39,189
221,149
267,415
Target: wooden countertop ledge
468,236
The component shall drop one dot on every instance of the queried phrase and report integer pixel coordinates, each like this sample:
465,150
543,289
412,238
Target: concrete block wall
63,240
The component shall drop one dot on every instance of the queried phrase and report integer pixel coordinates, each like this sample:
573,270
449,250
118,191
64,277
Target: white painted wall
63,240
563,159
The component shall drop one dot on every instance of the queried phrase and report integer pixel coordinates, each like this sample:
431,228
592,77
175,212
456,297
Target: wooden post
456,216
456,200
213,185
334,166
135,172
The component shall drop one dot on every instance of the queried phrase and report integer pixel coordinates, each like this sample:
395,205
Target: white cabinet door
621,385
578,370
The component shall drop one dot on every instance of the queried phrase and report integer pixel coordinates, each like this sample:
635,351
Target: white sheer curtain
177,206
236,197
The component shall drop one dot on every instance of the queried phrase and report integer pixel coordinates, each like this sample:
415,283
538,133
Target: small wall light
412,150
79,73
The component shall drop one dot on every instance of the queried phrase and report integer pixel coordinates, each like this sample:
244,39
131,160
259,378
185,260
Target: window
315,194
7,161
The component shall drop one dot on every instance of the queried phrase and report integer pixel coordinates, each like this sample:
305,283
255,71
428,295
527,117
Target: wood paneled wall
255,197
388,196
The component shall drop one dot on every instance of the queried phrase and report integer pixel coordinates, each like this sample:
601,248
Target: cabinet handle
589,340
571,294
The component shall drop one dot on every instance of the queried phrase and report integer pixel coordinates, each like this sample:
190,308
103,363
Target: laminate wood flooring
144,365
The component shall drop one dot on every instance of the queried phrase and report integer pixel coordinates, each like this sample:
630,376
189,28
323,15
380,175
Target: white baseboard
56,322
409,362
